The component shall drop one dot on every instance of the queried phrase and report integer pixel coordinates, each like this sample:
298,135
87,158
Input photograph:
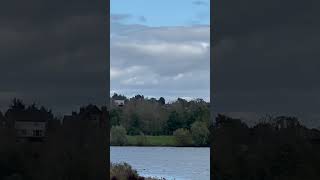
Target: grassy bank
151,141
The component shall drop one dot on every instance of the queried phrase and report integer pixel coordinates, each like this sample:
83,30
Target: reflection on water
168,162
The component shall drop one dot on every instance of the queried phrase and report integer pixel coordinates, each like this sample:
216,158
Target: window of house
37,133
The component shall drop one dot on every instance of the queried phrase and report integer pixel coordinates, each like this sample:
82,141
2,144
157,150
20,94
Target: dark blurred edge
305,146
212,24
107,154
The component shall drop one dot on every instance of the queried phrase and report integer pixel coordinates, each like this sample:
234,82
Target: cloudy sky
160,48
53,53
265,54
266,57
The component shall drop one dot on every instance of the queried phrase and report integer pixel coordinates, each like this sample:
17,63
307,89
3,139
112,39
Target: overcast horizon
158,54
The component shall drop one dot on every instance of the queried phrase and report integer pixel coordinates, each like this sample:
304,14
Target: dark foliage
280,148
73,149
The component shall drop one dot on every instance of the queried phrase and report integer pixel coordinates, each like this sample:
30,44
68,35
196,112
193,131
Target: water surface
179,163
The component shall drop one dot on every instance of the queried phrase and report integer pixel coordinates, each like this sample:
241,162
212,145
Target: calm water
168,162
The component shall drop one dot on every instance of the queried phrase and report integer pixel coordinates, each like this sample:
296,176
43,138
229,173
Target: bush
122,171
182,137
200,133
118,136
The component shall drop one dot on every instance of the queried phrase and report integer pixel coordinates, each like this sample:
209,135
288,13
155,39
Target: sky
265,54
160,48
266,58
53,53
162,13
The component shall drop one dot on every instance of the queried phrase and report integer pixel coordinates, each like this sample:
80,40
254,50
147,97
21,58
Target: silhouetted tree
118,97
264,151
162,101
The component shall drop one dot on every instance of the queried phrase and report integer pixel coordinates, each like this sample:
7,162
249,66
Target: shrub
182,137
200,133
118,136
122,171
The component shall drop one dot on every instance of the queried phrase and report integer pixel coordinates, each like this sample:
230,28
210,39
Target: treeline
72,151
19,111
276,148
22,112
156,117
187,121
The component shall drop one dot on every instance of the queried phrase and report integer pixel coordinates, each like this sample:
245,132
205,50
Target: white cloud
179,76
115,73
162,48
163,61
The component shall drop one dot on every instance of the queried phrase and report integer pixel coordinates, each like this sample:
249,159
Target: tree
173,122
115,117
200,133
16,111
118,97
139,97
17,105
134,128
183,137
2,119
118,136
162,101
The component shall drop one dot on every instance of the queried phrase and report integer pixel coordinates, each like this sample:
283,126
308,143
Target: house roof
30,120
69,118
90,109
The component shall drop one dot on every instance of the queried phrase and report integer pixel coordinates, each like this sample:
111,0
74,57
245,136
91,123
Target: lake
179,163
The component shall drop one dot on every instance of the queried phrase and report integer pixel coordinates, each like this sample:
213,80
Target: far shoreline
154,141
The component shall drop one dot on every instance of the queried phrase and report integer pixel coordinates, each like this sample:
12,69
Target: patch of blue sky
158,13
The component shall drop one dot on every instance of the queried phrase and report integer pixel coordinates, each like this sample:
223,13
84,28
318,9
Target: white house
30,129
119,102
286,122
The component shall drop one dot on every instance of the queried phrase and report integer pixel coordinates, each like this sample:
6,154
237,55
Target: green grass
153,141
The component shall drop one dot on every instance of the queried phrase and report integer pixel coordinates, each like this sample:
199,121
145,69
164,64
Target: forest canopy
153,116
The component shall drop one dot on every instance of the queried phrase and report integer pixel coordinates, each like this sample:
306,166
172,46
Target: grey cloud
265,56
53,53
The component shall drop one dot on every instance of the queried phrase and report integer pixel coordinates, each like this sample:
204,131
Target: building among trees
119,103
31,130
